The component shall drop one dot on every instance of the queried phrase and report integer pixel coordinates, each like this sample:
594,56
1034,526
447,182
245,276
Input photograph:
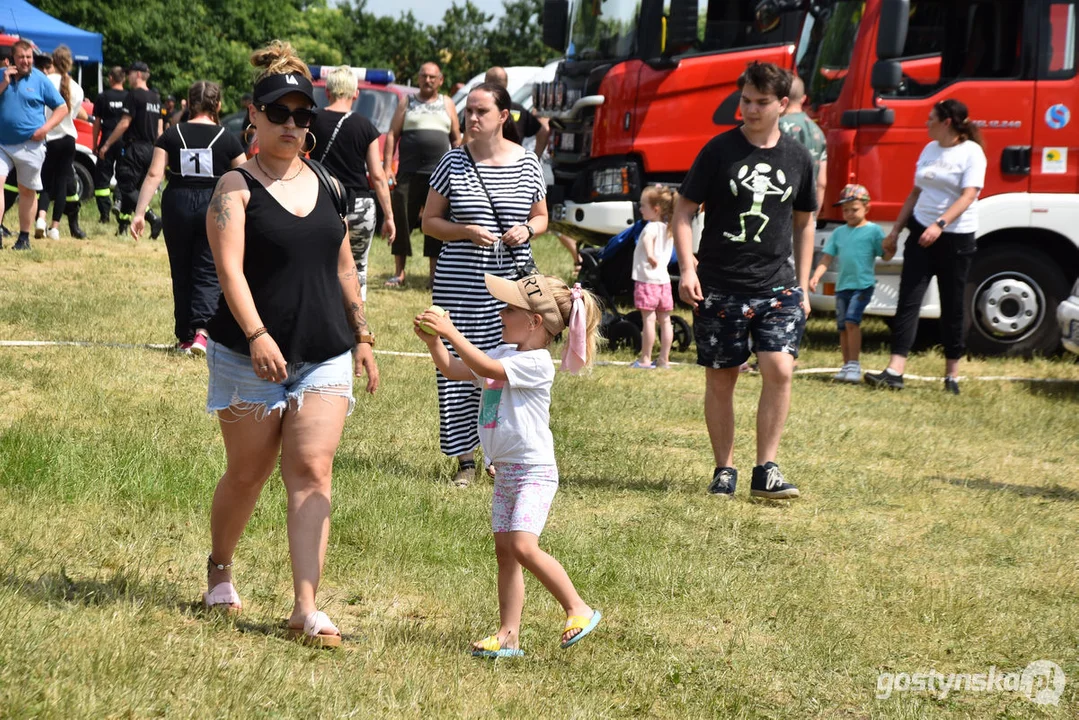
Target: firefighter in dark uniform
108,109
138,128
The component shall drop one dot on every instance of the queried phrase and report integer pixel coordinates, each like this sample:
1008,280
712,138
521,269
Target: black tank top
290,264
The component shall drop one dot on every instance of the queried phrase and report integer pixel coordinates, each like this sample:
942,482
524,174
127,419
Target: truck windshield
825,49
603,29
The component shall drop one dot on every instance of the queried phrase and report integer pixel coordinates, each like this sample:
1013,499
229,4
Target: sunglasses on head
279,115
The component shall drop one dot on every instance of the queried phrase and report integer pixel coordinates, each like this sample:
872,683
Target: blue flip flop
585,625
491,648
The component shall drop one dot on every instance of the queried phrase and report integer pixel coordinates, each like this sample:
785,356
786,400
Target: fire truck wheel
84,181
1011,300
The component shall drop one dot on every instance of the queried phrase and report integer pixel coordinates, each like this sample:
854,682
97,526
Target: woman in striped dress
480,238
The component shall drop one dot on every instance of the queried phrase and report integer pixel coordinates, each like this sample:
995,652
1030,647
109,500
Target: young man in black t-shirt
758,188
139,128
108,109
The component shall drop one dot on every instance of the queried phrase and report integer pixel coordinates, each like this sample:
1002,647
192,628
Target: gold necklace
281,179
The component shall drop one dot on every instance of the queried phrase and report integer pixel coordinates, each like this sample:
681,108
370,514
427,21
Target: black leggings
949,259
56,172
195,288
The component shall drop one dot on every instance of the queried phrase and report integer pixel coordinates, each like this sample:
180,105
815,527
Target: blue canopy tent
18,17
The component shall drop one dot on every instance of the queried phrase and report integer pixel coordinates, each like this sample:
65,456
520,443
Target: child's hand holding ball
430,321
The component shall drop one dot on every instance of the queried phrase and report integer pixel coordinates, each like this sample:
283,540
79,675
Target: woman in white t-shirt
941,214
57,170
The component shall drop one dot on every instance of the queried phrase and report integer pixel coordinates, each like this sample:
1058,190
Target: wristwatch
942,223
531,231
366,337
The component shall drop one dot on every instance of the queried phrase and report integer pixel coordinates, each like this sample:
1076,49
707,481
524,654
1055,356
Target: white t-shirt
515,414
67,125
942,173
662,247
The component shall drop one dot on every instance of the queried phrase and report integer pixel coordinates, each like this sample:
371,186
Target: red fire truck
875,68
645,84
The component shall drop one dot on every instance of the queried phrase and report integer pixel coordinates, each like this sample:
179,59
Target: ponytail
662,197
956,112
61,64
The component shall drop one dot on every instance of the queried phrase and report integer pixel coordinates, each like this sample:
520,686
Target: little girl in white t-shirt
514,429
651,282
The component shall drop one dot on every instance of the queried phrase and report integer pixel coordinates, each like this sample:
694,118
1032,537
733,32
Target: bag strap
490,200
333,188
337,129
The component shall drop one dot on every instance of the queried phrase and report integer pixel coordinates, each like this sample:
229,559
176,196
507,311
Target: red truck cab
873,70
645,84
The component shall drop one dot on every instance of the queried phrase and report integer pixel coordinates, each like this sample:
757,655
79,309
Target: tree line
187,40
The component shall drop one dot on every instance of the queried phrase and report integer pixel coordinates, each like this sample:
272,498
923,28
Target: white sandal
317,631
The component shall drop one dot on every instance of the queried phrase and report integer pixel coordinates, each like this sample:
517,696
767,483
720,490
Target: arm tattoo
357,319
219,206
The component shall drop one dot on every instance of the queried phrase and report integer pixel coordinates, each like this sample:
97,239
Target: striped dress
458,283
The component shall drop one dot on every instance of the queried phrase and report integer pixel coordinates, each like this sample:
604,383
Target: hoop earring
248,134
314,142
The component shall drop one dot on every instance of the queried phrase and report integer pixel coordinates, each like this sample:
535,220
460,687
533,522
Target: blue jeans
234,384
850,305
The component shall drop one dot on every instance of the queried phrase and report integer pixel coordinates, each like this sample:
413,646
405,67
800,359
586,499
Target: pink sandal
317,631
223,598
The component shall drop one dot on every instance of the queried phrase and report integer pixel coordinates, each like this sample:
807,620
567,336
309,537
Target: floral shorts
724,323
523,496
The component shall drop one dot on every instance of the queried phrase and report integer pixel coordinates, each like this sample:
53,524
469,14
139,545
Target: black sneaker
768,482
951,385
23,243
723,481
884,379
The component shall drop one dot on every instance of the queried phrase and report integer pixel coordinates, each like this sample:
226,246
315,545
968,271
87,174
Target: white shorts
27,159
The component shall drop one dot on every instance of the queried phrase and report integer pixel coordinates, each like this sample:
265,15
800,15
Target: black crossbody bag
523,269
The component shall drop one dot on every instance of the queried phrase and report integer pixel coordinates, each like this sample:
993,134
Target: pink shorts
650,296
522,498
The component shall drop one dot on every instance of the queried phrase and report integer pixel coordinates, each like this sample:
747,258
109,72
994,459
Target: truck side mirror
681,26
886,76
892,35
555,24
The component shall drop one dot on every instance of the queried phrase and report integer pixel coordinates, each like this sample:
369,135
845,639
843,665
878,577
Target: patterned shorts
522,498
724,323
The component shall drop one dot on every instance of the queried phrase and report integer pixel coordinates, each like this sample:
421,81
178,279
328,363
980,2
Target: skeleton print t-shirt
750,195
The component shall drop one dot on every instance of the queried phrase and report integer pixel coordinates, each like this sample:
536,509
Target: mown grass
934,532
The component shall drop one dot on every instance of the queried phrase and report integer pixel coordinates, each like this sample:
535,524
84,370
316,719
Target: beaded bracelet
257,334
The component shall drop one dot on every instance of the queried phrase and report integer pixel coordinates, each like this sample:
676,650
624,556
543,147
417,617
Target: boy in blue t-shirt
857,245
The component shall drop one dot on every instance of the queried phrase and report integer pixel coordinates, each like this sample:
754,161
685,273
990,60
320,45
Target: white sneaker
39,228
854,373
842,375
53,233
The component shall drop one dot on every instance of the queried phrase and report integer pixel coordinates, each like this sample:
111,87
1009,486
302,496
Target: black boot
23,243
155,224
72,212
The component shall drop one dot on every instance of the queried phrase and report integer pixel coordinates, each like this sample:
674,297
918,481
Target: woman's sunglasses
279,115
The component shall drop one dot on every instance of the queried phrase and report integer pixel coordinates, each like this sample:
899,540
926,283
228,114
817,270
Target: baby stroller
607,272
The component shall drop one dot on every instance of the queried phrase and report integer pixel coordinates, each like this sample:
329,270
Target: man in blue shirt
24,94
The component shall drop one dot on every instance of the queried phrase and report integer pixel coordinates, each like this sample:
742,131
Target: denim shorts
850,305
234,384
724,322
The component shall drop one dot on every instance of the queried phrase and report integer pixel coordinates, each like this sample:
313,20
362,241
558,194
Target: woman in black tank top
290,315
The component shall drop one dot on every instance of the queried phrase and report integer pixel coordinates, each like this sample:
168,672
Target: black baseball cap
138,65
275,87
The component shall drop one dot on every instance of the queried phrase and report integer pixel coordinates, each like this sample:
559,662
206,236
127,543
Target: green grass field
934,533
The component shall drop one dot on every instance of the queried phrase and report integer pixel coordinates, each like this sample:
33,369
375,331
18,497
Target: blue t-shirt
856,250
22,106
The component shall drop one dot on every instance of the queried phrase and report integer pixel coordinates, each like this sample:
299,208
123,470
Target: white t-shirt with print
662,247
942,173
515,414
